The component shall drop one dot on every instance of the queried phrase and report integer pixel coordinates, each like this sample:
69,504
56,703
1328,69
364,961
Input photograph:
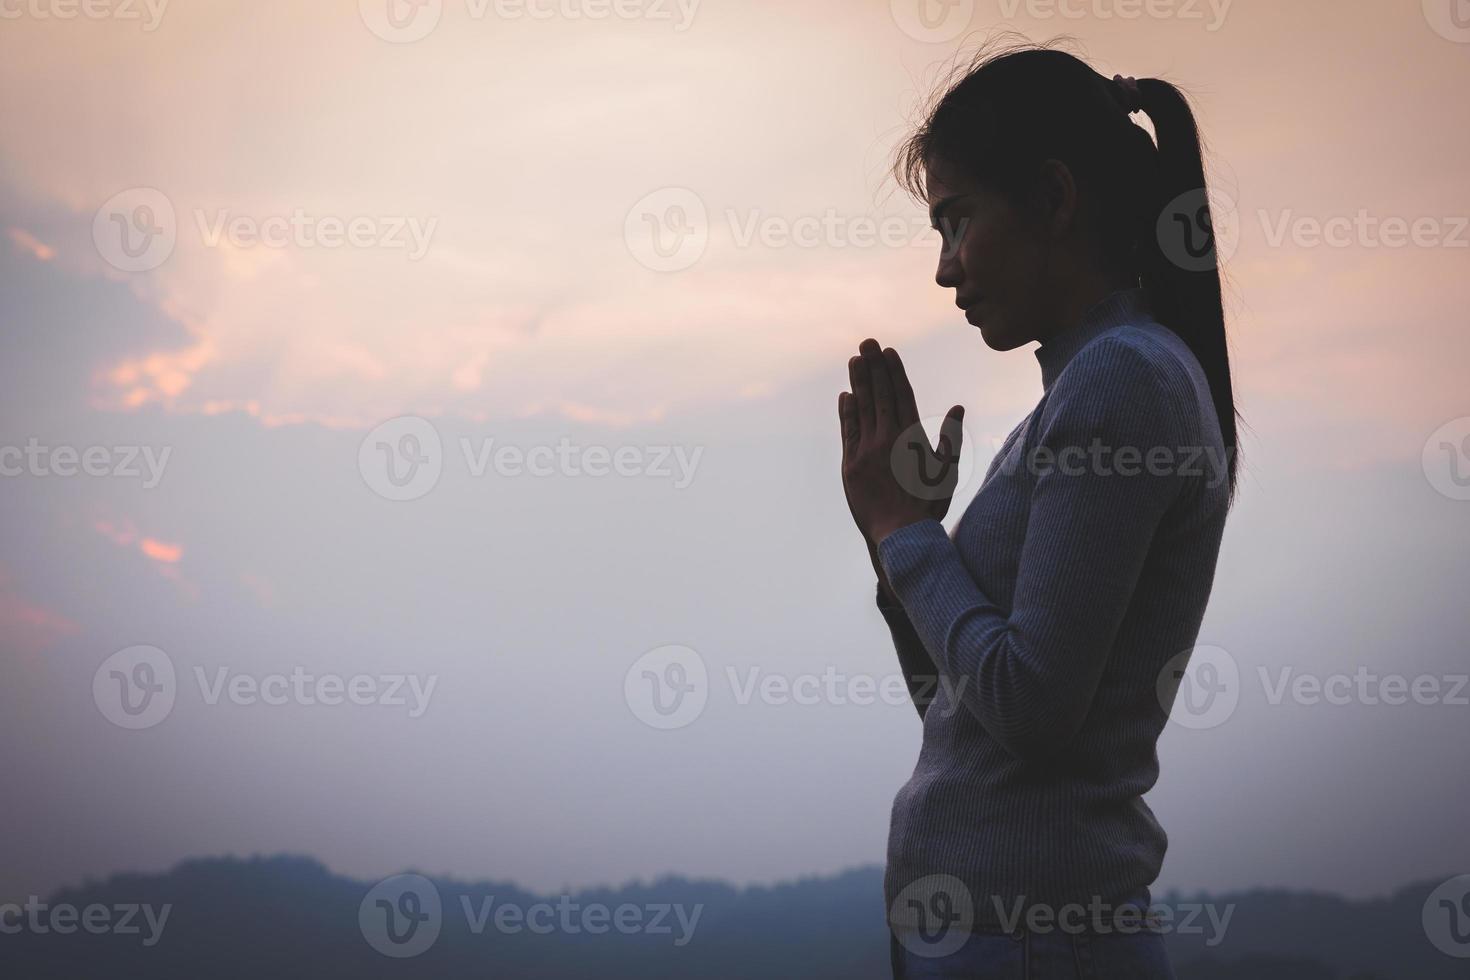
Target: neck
1127,304
1074,302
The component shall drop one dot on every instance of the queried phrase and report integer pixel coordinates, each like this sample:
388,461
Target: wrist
878,532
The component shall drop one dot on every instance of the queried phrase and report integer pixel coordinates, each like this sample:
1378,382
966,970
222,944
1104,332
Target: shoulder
1136,378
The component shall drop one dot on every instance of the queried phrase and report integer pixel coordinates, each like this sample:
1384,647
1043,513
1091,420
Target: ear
1057,193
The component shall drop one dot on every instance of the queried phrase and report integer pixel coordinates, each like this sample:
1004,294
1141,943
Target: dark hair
1009,112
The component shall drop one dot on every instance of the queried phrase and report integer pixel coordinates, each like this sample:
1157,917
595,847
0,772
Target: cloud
29,243
161,551
29,628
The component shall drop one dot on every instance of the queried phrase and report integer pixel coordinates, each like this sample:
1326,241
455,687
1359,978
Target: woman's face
992,256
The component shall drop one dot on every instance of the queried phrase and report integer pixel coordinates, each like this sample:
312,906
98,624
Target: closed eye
937,216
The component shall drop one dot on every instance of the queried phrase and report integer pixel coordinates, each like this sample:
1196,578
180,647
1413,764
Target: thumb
952,434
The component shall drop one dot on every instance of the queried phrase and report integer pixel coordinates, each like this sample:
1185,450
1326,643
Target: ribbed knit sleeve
913,658
1033,669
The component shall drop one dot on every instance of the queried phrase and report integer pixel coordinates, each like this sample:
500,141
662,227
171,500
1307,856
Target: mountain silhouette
286,917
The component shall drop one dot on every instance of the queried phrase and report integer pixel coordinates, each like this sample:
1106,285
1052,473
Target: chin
998,338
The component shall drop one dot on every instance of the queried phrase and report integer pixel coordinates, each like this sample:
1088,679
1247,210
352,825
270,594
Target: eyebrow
937,210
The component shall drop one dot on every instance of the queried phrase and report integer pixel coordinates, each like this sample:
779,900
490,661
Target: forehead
941,181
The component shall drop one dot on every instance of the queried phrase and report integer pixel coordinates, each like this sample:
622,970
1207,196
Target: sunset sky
472,212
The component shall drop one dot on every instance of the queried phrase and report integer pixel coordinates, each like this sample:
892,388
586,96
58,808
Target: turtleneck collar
1117,308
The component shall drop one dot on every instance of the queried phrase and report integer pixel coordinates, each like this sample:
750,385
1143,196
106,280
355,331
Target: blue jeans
1043,956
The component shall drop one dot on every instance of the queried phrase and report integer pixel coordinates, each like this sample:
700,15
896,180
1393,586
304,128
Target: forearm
918,668
1025,706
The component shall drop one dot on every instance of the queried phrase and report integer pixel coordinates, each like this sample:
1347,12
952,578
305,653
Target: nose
950,273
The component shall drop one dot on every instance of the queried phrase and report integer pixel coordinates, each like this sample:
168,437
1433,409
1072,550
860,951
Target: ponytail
1177,259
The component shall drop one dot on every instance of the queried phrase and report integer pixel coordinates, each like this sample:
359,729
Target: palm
892,475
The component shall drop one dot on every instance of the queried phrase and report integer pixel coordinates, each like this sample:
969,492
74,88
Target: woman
1035,638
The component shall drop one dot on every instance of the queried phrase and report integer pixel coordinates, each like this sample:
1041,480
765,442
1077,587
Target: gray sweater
1079,570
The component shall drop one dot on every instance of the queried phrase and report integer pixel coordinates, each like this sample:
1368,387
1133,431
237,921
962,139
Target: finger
903,392
862,392
952,435
847,417
884,415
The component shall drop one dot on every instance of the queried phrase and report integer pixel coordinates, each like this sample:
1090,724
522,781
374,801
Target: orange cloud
161,551
122,533
31,244
28,627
